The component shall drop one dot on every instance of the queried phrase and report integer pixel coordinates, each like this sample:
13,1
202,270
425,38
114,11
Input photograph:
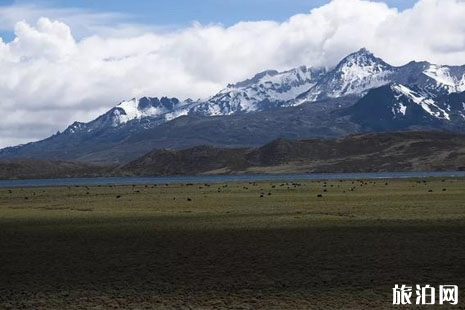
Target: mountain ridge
346,99
374,152
270,89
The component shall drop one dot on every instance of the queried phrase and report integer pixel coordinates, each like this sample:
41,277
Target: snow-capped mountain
266,90
361,93
362,71
154,110
354,75
143,107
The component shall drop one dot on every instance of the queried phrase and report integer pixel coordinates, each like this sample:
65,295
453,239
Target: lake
224,178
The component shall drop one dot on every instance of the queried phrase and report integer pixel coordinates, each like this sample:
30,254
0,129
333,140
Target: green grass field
223,246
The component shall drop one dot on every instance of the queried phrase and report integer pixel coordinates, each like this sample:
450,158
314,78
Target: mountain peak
254,79
364,51
362,58
362,64
74,127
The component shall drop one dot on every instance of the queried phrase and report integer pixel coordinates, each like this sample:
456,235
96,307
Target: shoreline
177,179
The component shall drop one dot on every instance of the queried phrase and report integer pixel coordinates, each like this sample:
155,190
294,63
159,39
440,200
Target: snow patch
399,108
402,109
427,105
443,76
129,110
414,96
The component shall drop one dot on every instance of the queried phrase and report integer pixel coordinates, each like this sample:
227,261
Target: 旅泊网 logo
425,295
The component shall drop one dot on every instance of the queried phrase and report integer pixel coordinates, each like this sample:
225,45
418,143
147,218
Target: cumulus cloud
51,77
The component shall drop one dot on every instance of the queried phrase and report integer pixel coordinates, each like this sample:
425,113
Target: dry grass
229,248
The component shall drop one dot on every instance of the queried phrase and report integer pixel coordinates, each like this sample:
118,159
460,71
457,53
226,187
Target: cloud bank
49,78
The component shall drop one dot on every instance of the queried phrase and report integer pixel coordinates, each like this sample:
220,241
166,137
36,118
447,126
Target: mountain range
374,152
361,94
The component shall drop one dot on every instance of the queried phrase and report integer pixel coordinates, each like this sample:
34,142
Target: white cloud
81,21
50,77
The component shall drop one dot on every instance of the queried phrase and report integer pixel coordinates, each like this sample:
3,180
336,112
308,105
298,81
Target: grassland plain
266,245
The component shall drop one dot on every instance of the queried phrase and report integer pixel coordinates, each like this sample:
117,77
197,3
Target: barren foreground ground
223,246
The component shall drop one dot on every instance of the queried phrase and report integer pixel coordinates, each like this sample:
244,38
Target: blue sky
180,13
205,11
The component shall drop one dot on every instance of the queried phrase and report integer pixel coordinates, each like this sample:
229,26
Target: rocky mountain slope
398,151
381,152
121,145
38,169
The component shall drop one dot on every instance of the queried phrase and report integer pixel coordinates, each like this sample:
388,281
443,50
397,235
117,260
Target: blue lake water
224,178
